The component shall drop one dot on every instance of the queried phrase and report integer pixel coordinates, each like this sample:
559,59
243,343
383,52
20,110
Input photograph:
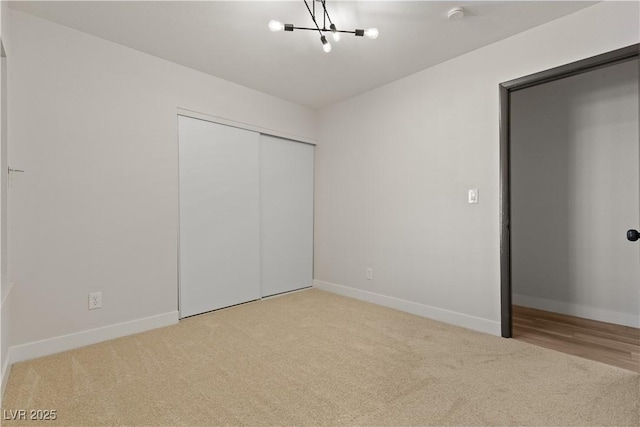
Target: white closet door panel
219,216
286,207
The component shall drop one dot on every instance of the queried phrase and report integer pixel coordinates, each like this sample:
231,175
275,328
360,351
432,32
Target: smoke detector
456,14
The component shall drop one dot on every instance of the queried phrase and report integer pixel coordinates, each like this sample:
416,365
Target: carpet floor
314,358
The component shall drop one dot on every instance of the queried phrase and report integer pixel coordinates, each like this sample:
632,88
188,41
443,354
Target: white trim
242,125
32,350
7,294
452,317
571,309
6,371
281,294
253,301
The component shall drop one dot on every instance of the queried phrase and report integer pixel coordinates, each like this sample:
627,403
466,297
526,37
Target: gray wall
393,167
94,125
575,193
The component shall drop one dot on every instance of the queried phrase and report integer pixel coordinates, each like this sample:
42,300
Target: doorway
565,260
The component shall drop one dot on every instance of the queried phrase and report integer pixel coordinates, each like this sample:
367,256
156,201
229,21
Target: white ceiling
230,39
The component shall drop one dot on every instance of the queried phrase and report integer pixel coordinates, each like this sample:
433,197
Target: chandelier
274,25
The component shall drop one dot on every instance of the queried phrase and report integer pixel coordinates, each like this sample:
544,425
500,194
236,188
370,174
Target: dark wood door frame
606,59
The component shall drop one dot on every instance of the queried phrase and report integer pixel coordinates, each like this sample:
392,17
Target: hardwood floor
604,342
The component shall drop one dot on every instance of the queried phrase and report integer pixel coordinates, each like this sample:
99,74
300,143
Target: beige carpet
313,358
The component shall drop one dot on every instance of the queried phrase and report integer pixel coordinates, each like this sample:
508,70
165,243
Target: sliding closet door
219,216
286,208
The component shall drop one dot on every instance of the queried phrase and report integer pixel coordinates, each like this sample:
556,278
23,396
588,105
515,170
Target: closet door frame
192,114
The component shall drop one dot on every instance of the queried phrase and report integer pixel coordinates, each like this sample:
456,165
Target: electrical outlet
369,273
95,300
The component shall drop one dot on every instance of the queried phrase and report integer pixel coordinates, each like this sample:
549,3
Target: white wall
5,287
575,192
94,126
394,164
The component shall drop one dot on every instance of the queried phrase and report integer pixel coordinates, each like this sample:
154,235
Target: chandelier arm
324,30
324,16
313,17
324,6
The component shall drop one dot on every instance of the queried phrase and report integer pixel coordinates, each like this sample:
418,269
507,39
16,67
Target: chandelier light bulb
326,46
335,33
372,33
276,25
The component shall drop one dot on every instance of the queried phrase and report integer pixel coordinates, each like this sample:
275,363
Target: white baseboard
32,350
577,310
454,318
6,370
6,296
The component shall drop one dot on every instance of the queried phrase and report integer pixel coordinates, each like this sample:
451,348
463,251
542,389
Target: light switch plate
473,195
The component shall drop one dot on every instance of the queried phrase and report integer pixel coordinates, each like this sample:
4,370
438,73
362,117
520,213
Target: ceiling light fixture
371,33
